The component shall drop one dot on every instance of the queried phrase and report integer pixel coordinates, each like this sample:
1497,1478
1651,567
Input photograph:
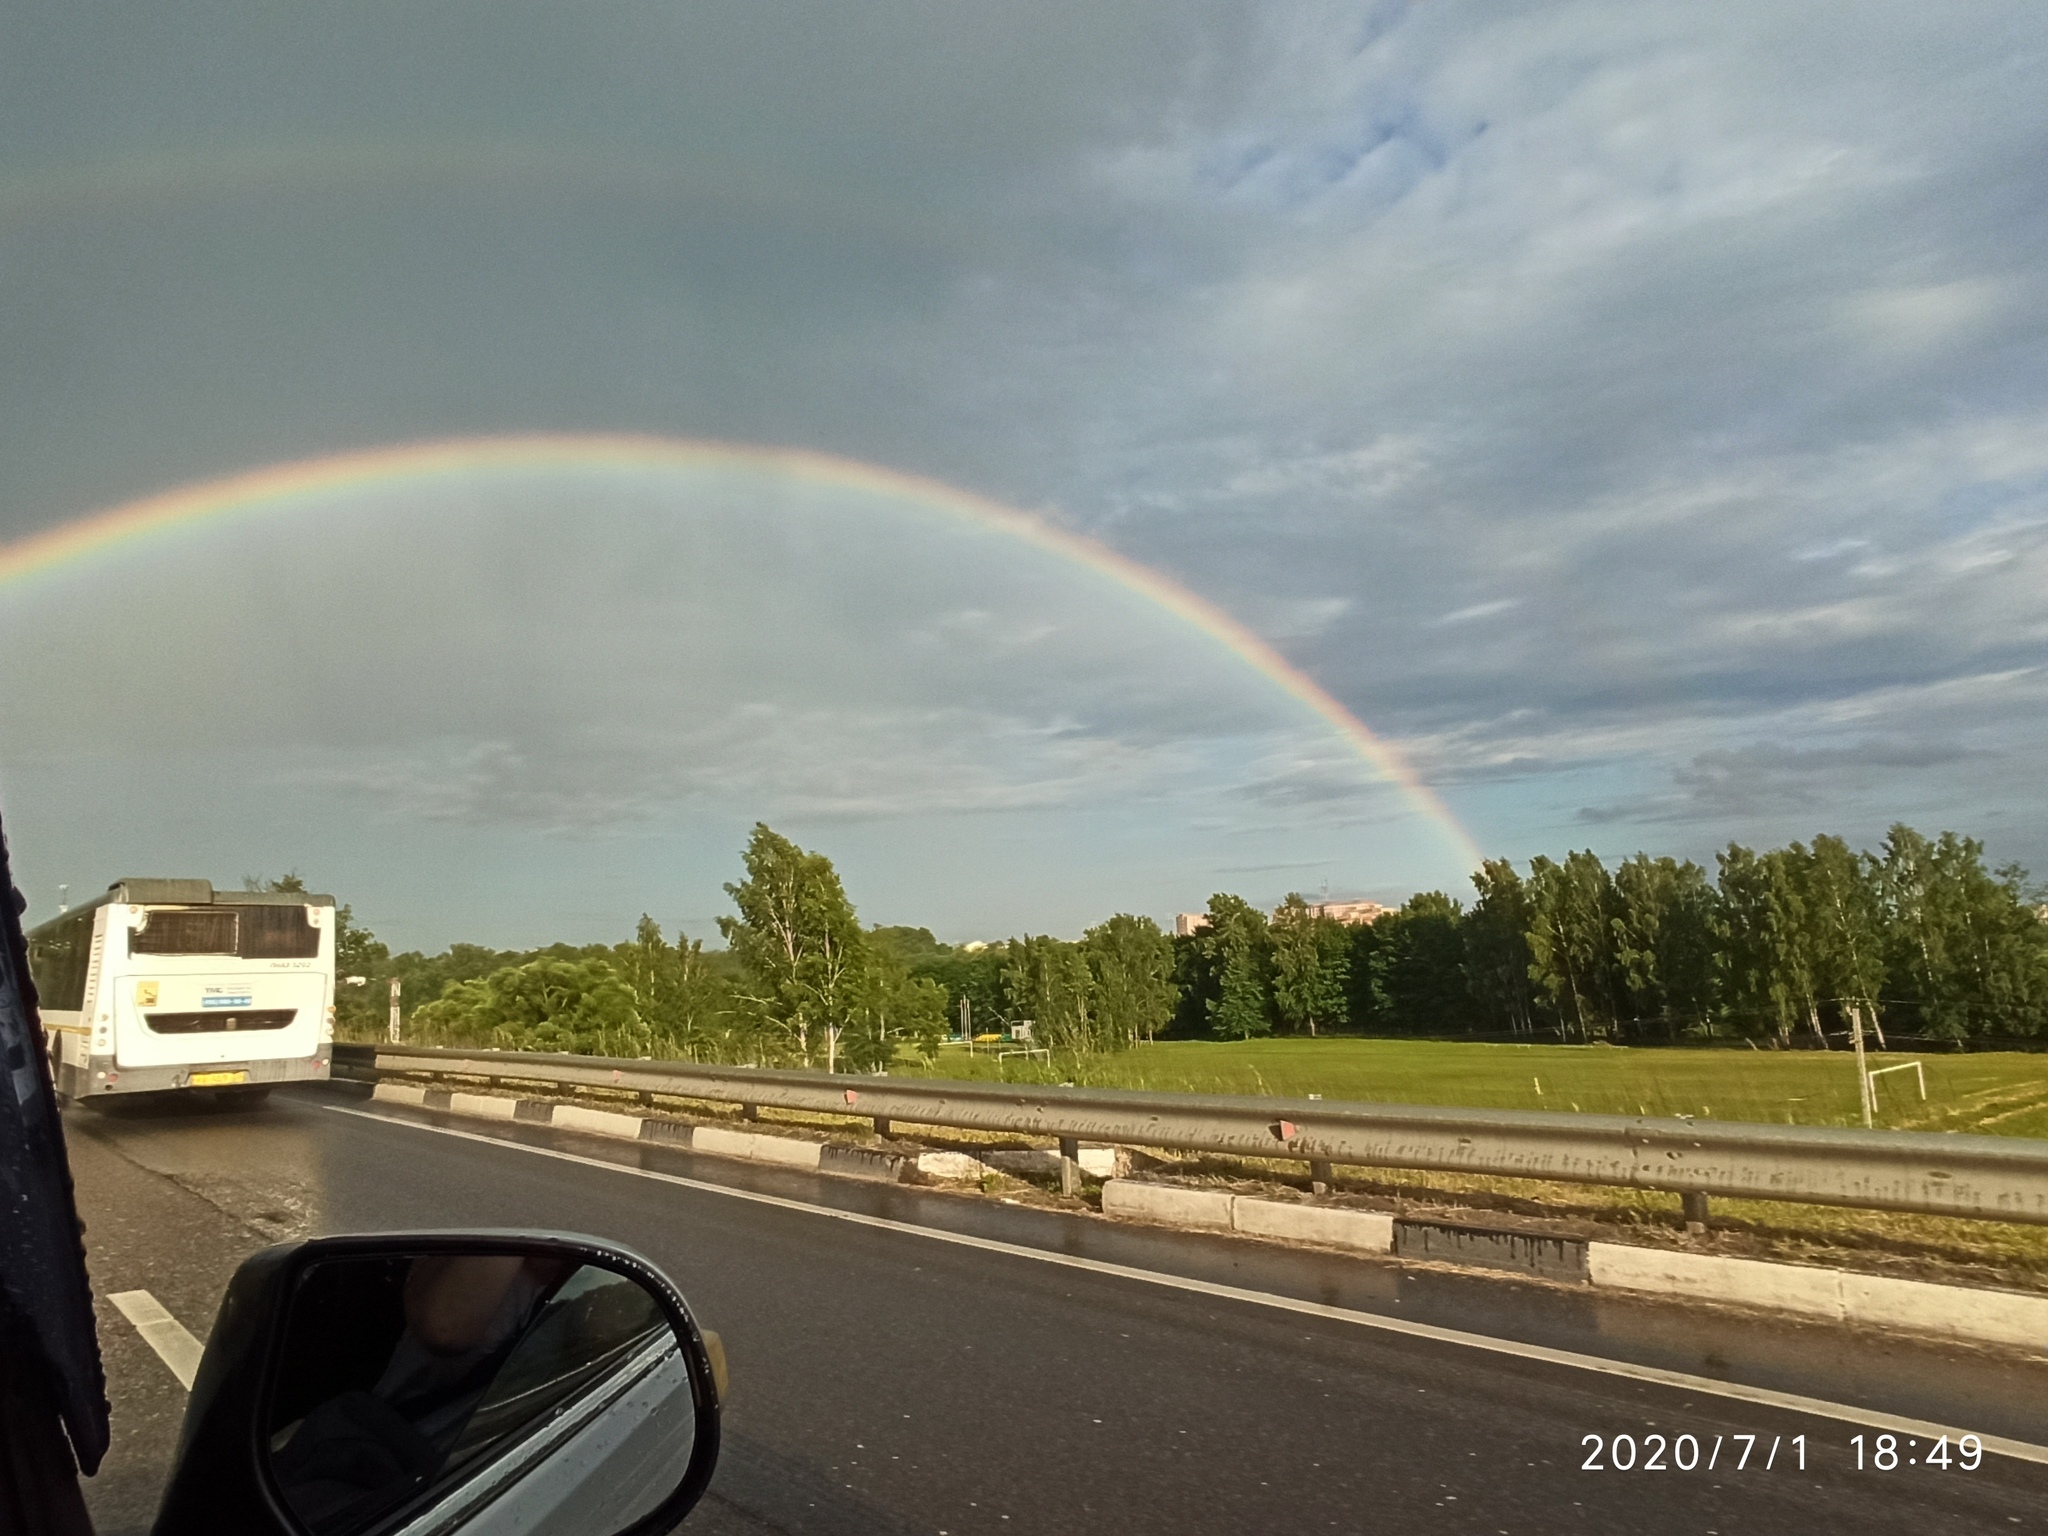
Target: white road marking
1792,1402
162,1332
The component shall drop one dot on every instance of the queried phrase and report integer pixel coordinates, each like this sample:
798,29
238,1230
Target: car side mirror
448,1381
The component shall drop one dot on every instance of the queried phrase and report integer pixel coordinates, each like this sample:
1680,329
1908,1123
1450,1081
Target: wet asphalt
887,1383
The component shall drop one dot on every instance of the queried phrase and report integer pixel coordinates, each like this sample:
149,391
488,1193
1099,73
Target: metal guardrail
1936,1173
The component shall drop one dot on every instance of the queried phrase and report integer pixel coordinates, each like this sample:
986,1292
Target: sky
1635,415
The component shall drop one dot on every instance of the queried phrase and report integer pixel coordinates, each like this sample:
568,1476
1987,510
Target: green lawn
1999,1093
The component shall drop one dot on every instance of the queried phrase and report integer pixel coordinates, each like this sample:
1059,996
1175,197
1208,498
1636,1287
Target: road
889,1382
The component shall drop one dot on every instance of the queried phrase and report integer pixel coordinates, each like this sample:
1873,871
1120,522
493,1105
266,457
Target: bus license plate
216,1079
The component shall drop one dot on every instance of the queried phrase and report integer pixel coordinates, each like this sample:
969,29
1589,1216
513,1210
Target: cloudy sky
1635,414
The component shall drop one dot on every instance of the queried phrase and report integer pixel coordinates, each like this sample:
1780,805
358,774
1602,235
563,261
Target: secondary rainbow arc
280,484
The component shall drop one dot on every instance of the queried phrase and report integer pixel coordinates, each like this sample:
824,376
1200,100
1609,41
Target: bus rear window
192,931
251,932
277,933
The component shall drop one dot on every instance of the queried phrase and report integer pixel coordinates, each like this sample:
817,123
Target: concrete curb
1874,1301
1954,1312
751,1146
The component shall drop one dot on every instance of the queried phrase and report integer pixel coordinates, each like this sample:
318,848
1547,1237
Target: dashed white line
171,1340
1792,1402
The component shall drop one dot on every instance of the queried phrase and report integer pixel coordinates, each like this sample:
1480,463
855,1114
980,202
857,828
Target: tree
972,974
1311,967
1497,955
681,1005
1132,963
1050,984
1418,961
549,1004
360,1011
1968,952
1663,942
799,942
1571,941
1843,910
1239,954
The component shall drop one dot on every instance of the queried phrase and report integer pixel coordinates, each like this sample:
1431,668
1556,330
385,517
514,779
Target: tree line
1917,938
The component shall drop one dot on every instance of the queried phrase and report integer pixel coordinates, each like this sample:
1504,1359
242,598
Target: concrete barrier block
399,1093
786,1151
720,1142
599,1122
1957,1312
1529,1253
486,1106
950,1165
1363,1231
1707,1277
860,1163
1169,1203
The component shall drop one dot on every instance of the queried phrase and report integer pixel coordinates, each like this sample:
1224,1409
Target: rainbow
280,484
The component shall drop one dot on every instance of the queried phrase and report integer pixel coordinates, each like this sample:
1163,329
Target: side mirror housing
448,1381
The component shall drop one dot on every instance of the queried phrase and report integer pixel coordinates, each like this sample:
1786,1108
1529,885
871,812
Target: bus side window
58,960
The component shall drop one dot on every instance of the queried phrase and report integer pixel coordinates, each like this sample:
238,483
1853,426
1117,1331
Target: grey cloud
1582,395
1739,785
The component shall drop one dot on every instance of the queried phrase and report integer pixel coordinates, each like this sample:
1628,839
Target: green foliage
893,1010
1132,965
1311,968
1967,951
1571,949
909,945
1497,957
1919,937
683,1009
1416,960
1663,943
1238,949
973,975
545,1005
1049,985
800,945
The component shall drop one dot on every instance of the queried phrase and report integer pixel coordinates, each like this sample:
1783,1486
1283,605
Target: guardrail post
750,1111
881,1125
1320,1176
1070,1165
1695,1203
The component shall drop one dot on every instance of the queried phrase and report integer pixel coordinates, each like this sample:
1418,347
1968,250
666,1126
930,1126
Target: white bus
168,985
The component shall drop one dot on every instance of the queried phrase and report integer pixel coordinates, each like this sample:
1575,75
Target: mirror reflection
408,1383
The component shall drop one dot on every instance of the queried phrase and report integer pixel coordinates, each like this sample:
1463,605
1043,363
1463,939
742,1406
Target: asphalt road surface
888,1382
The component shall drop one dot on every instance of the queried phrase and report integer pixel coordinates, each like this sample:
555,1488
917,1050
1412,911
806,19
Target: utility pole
966,1023
394,1010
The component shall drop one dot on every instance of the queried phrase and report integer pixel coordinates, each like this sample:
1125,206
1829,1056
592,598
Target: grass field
1998,1093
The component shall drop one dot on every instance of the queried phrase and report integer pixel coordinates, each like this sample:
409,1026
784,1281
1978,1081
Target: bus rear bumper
100,1077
